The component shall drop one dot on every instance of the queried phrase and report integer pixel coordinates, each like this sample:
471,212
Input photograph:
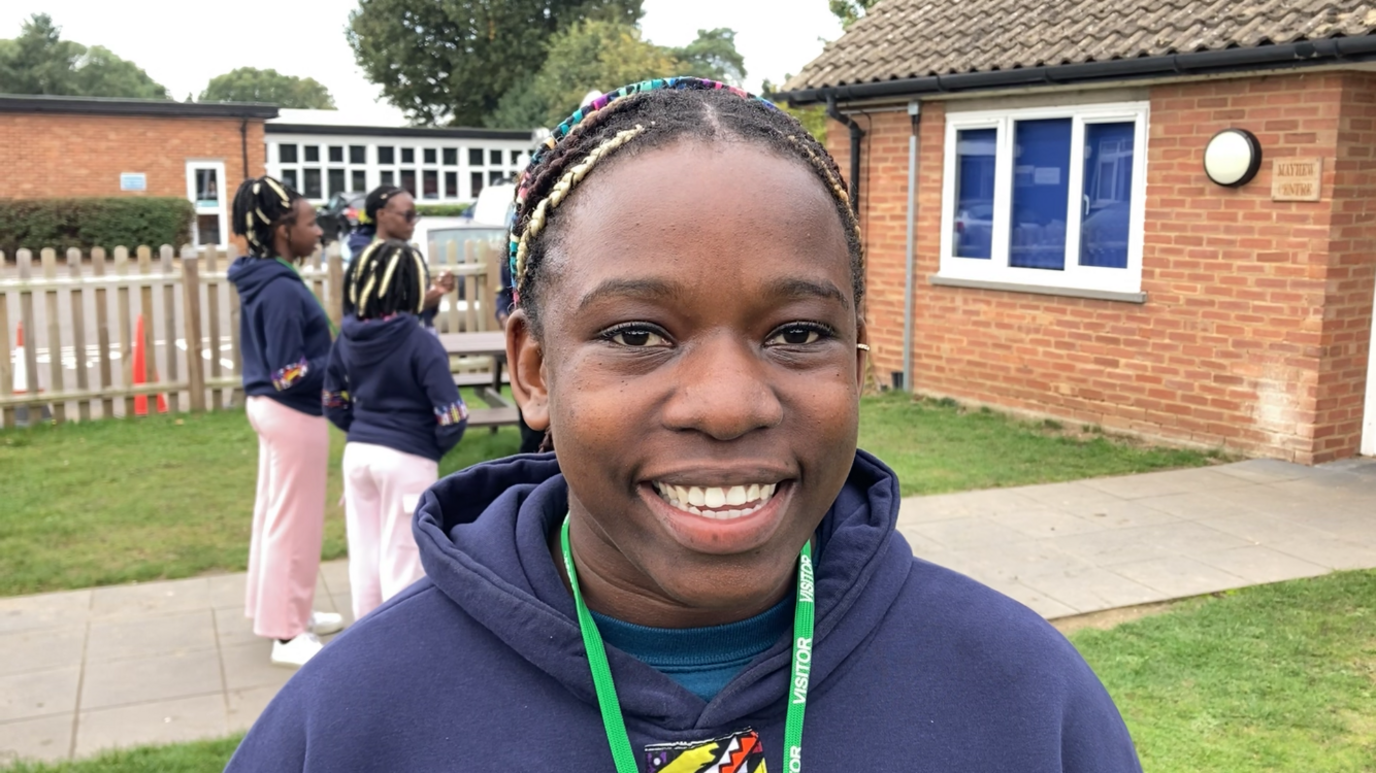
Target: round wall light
1232,157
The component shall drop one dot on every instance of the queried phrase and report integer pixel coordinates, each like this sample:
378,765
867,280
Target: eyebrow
655,289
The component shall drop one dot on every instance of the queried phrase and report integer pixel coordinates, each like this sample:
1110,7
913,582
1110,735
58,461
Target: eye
635,336
798,334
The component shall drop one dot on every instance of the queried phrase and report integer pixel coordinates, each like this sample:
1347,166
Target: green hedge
444,210
96,222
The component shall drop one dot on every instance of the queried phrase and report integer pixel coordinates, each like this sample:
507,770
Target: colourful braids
260,205
388,277
645,115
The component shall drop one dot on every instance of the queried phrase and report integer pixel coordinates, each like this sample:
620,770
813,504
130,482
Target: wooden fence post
451,260
336,269
55,384
150,352
107,404
78,302
191,311
219,398
125,318
6,369
169,325
26,316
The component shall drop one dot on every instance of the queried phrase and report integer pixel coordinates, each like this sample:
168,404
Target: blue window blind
974,216
1041,185
1107,202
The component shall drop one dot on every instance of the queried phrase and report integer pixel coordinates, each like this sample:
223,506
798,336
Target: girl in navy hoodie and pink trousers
285,339
388,385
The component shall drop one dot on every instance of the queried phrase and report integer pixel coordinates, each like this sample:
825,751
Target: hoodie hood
372,341
251,275
484,535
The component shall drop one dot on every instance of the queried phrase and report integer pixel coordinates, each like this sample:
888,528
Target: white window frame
1074,276
220,210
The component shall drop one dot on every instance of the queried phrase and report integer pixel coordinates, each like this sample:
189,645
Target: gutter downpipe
909,290
856,134
243,143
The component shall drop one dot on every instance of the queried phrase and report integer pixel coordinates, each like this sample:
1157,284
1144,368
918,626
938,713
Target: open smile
730,518
719,502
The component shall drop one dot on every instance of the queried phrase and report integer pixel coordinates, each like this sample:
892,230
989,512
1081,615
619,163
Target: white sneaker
325,623
295,653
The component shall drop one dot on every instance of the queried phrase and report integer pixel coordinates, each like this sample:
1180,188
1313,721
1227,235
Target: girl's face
303,234
698,349
397,220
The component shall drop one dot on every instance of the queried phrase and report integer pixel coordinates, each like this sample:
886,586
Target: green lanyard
334,329
610,705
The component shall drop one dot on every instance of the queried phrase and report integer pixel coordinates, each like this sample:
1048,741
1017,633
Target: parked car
340,214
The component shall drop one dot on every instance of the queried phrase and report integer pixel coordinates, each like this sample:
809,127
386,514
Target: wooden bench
488,386
492,417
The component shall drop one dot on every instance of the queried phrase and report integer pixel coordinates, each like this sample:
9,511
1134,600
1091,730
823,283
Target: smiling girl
709,560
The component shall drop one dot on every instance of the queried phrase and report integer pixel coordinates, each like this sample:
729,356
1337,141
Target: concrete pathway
171,661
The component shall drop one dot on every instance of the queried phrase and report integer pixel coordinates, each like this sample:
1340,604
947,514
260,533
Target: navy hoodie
388,383
480,666
284,335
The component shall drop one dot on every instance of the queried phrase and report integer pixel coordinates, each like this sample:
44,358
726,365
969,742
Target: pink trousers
381,489
288,517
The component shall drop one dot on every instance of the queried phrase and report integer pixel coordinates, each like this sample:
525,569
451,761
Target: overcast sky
183,44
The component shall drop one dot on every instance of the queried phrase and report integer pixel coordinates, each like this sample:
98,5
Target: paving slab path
160,662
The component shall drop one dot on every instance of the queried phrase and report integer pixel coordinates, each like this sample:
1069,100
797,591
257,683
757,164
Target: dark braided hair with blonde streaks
260,206
650,115
390,277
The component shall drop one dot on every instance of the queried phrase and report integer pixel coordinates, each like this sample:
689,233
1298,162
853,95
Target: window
358,154
359,181
312,187
475,156
286,154
388,179
475,181
408,181
313,154
204,187
431,181
429,155
451,185
494,177
451,156
408,155
336,154
289,177
494,158
1051,197
336,181
386,154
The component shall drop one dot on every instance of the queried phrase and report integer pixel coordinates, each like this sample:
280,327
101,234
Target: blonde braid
565,186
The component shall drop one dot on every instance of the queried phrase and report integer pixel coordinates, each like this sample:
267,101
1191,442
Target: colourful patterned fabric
335,399
736,753
284,378
449,415
564,129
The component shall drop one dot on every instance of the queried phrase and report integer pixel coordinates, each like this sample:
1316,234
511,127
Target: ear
527,365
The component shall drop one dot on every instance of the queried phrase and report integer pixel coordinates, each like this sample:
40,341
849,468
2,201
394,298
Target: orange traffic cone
140,368
21,367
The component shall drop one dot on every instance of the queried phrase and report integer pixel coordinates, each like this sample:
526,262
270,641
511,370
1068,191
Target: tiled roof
916,38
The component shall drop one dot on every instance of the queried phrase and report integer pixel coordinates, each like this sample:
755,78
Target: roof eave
1306,53
42,103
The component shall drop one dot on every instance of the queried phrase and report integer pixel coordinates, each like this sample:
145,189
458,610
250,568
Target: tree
39,61
713,56
249,84
451,61
593,54
850,11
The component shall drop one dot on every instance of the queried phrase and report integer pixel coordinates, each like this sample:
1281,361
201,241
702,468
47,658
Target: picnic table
488,387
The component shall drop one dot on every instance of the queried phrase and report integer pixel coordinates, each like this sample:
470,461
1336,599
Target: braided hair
388,278
649,115
260,206
376,201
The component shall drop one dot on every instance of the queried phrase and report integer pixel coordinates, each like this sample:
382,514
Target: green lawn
1277,678
1272,679
117,501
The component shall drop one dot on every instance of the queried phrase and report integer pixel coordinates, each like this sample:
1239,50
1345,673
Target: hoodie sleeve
504,297
432,372
293,369
339,406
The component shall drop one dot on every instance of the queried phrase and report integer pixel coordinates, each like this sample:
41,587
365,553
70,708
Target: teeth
718,502
736,495
716,497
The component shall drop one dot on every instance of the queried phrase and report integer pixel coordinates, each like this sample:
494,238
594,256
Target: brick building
72,146
1071,258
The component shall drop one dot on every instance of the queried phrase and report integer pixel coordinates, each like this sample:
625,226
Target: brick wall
48,156
1255,332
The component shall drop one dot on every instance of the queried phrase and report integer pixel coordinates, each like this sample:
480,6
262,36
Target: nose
723,390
